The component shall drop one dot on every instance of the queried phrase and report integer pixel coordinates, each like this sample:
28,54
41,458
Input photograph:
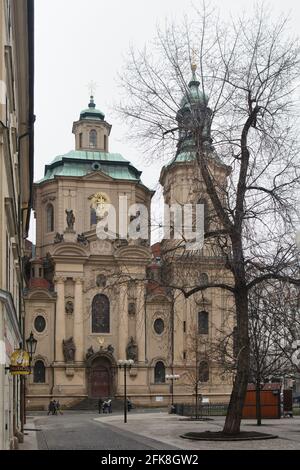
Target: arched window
39,372
105,143
93,216
100,314
50,218
203,323
203,371
206,221
159,373
93,138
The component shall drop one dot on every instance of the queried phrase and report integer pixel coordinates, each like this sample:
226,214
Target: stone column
140,321
60,326
123,322
78,320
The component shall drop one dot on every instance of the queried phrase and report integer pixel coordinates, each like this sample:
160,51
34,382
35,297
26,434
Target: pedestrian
104,407
109,406
58,408
54,412
129,404
100,405
50,407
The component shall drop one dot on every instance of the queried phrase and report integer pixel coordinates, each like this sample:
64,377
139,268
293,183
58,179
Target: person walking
129,405
50,407
58,408
54,411
100,405
109,406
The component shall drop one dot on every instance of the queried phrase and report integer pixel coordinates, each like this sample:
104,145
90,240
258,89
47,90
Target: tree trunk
235,409
258,403
196,401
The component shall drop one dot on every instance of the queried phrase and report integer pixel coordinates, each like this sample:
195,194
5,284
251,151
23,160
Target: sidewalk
168,428
30,436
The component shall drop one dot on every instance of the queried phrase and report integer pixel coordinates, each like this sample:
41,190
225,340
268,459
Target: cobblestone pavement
79,430
168,428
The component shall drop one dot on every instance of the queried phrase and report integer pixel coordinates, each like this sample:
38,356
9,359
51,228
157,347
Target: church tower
91,130
200,318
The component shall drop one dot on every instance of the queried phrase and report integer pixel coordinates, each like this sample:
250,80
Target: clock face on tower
99,203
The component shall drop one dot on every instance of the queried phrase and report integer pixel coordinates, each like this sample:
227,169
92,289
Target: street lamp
125,364
31,343
172,377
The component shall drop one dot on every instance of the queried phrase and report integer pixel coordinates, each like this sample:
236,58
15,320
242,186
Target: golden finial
193,60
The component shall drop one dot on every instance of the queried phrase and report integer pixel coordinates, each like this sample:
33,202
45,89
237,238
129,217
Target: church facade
92,301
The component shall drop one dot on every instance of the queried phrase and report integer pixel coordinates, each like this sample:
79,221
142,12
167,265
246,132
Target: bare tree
268,356
248,71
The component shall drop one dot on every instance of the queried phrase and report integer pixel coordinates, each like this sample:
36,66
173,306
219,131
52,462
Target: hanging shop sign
19,363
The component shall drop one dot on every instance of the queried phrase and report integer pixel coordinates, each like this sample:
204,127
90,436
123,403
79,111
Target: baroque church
92,301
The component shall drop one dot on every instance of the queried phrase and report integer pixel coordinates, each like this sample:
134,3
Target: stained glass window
100,314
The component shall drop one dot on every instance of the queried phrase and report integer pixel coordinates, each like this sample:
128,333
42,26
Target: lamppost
125,364
31,343
172,377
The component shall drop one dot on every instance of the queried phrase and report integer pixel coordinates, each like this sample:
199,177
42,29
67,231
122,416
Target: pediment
158,298
69,250
98,176
37,293
133,252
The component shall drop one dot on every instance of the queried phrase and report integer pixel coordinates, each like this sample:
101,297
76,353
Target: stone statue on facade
131,308
70,220
69,349
81,238
69,307
132,350
110,349
101,280
90,352
59,237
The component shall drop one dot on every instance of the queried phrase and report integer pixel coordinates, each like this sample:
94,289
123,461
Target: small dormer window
93,138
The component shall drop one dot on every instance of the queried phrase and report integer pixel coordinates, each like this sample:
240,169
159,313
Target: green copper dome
78,163
193,94
91,112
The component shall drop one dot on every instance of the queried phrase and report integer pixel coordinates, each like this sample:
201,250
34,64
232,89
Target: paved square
168,428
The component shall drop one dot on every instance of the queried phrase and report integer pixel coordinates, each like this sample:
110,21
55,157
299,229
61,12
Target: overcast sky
78,41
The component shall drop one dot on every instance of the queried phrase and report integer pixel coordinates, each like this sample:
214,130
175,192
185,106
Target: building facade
16,178
92,301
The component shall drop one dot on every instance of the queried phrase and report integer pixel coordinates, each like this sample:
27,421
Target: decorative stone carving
90,352
70,372
120,242
81,238
59,237
110,349
131,308
101,280
132,350
100,247
69,349
70,220
69,307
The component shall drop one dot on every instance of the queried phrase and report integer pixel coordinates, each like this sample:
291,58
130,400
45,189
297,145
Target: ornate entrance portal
101,378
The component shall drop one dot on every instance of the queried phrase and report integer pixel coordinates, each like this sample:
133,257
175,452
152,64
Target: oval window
40,323
159,326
